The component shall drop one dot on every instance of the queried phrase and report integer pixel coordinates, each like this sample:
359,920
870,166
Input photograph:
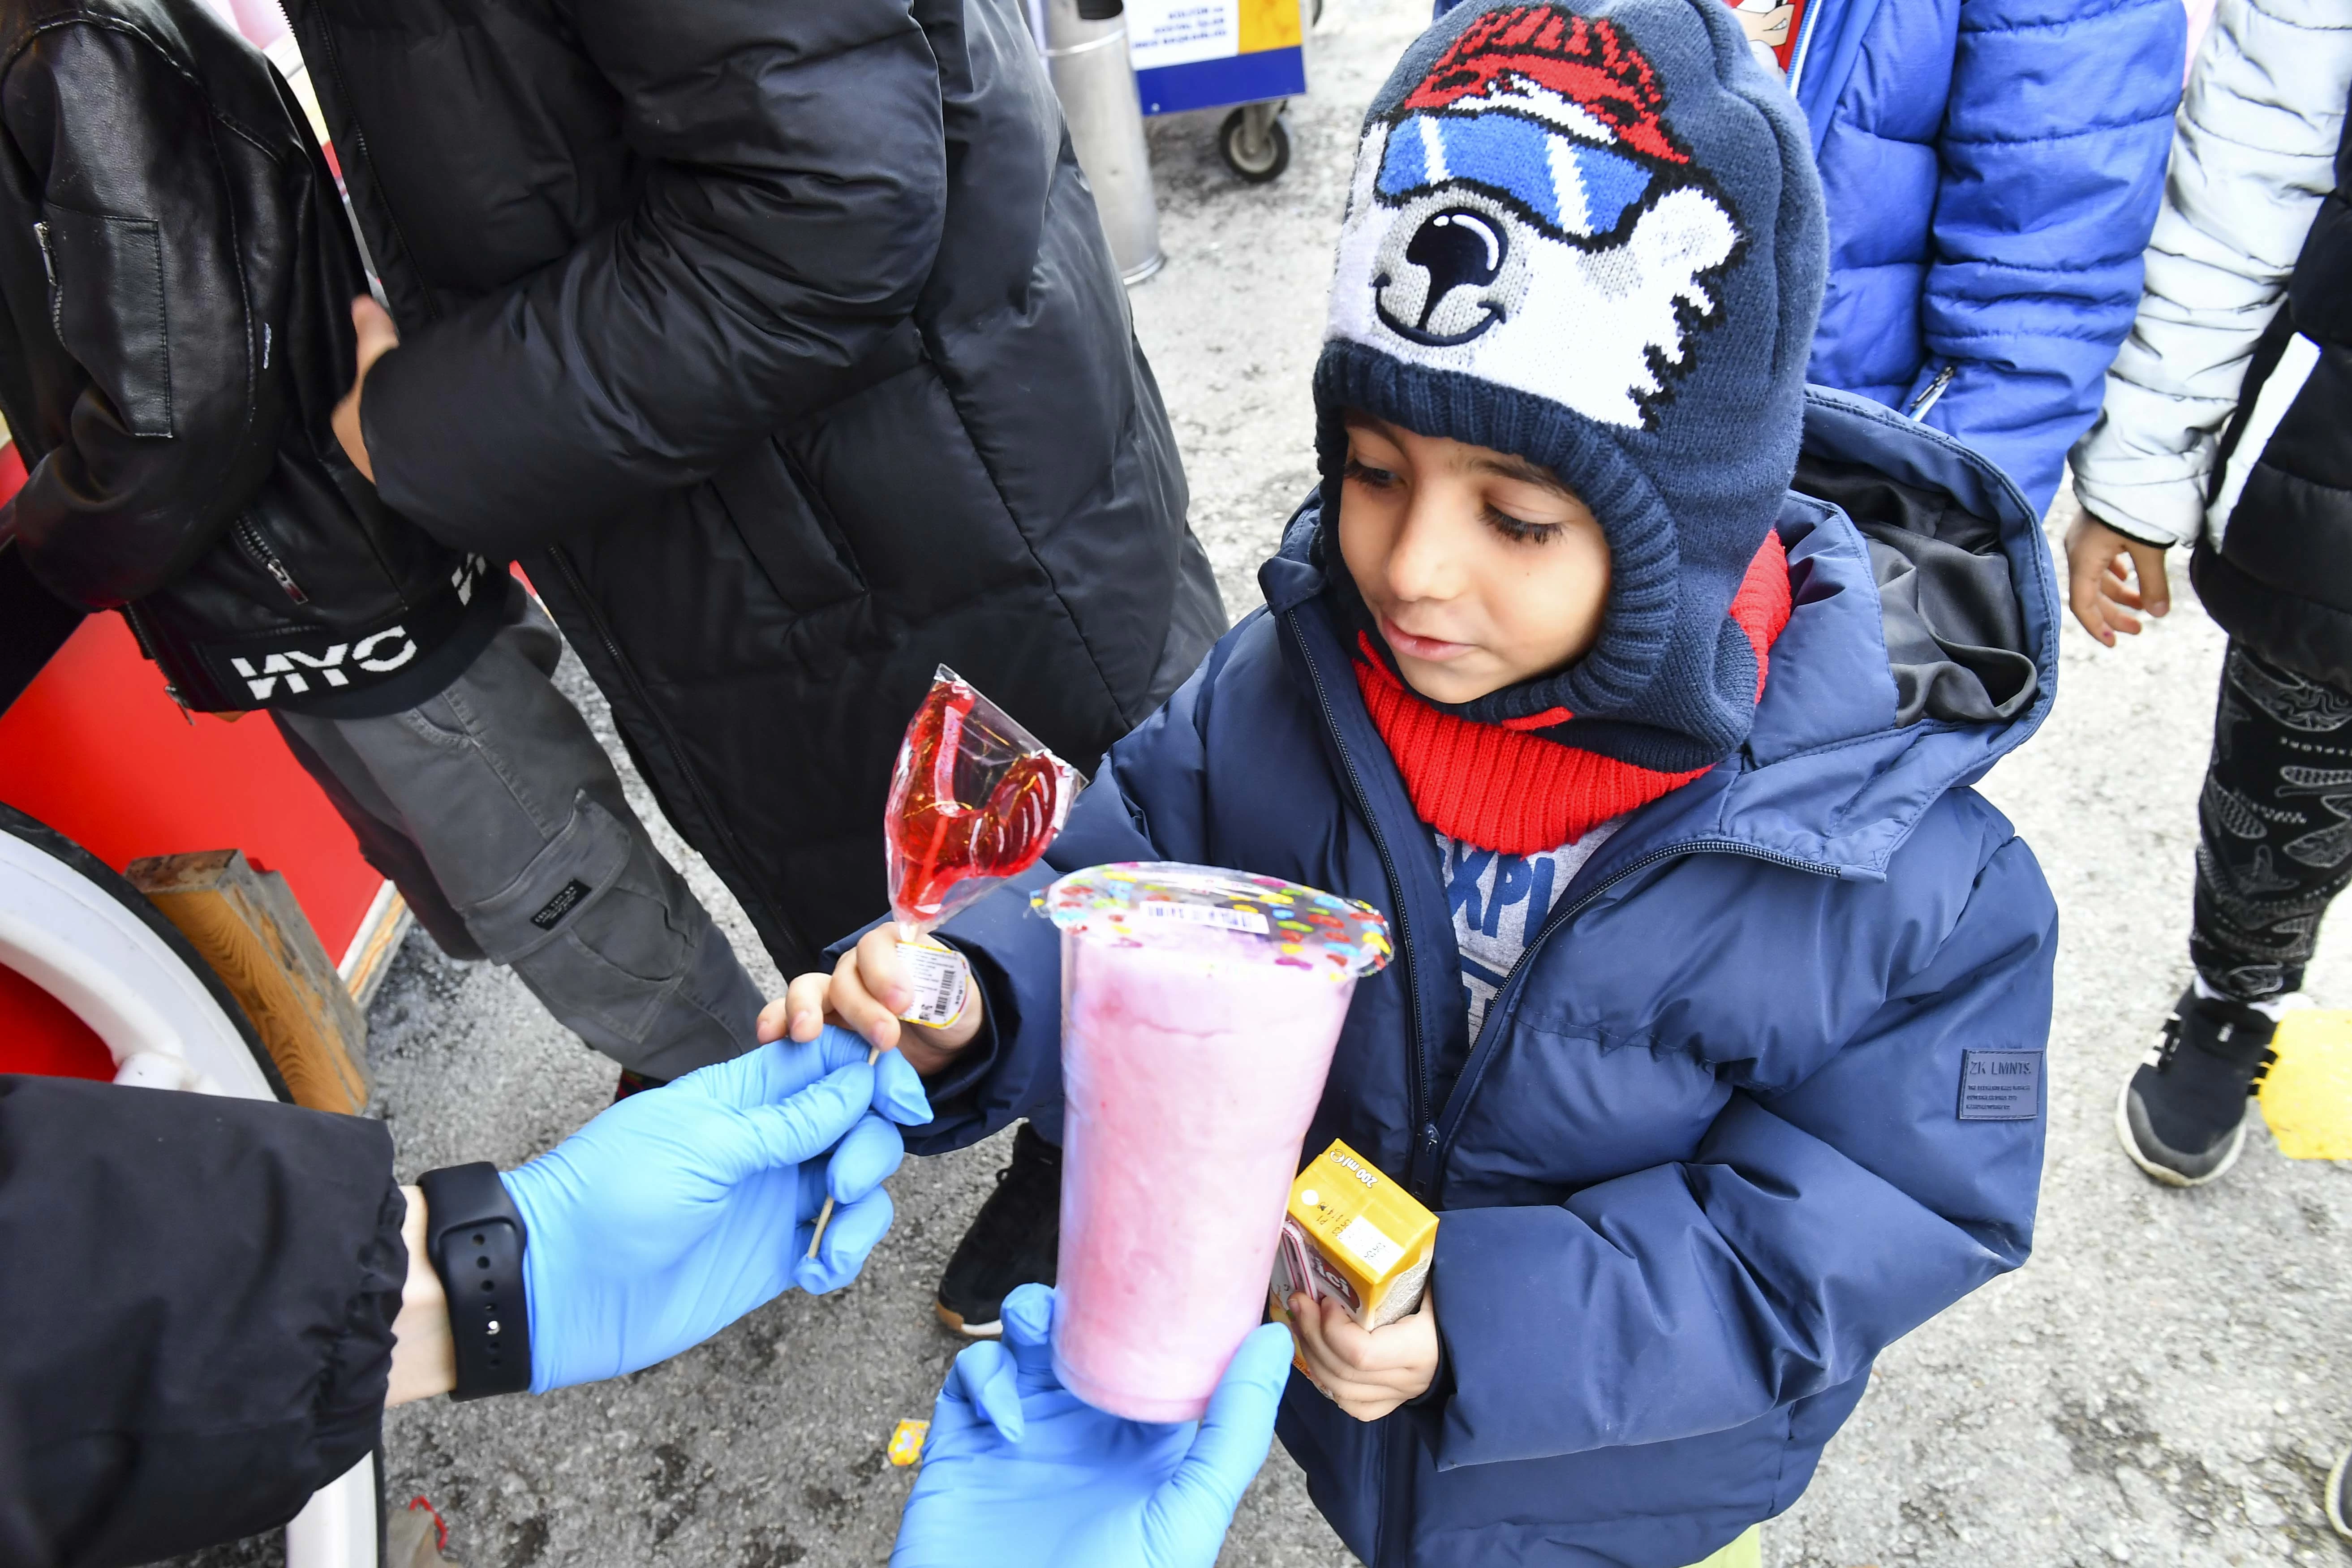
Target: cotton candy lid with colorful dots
1155,902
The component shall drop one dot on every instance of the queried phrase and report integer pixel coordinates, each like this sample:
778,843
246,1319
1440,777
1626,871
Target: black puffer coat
782,344
2280,579
175,283
2227,424
198,1306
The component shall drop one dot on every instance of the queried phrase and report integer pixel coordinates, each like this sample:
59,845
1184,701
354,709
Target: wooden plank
250,929
376,944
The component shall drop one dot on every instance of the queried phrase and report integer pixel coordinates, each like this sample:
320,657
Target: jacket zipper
719,826
1425,1145
49,270
1930,393
1507,996
1425,1142
266,559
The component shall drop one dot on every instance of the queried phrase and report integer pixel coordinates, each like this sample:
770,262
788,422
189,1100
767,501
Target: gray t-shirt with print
1500,902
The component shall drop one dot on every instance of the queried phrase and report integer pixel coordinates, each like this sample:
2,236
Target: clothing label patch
553,913
2000,1086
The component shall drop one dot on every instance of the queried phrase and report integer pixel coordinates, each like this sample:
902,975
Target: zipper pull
48,262
277,569
1930,393
1422,1174
266,559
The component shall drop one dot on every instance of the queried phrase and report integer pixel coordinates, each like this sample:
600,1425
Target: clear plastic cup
1200,1008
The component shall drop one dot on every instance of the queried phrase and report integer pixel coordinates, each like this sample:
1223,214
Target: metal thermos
1085,55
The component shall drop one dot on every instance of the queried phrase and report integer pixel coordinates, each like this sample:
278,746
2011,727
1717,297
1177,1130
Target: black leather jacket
2281,579
175,286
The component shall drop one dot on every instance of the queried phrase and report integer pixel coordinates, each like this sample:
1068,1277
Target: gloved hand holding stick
975,799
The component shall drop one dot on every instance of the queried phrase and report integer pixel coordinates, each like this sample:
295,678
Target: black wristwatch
475,1238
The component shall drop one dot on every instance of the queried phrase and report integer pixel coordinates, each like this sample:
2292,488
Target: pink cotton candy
1193,1060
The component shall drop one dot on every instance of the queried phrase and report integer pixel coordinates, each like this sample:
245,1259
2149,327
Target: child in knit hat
1714,1033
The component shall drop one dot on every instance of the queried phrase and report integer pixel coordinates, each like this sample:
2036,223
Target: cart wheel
1256,152
87,937
92,941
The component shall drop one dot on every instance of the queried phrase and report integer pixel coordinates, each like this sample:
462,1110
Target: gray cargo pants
501,821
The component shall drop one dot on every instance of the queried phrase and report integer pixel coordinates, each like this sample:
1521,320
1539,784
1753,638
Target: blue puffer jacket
1993,168
1705,1160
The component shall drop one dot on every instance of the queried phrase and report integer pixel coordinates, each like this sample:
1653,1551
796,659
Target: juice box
1353,1234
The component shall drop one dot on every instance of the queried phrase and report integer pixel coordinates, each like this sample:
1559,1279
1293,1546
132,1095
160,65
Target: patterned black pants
2275,827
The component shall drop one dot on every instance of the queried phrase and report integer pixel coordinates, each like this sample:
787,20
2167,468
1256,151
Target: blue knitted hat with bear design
1588,232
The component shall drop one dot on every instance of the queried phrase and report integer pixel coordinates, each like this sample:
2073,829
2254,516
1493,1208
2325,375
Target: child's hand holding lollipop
975,799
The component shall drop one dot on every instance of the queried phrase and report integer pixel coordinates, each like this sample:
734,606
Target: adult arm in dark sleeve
199,1296
1814,1227
175,424
794,194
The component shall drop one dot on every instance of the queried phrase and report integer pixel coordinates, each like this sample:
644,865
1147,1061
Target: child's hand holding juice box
1352,1280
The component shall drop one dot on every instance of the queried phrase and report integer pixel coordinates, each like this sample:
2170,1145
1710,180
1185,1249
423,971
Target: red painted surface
96,750
38,1035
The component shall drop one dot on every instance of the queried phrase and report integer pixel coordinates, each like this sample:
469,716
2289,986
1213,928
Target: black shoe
2182,1113
1012,1240
635,1082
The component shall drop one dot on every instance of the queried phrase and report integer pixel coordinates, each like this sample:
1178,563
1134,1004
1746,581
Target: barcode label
942,982
1371,1245
1215,915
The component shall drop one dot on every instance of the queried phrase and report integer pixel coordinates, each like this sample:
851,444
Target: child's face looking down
1483,569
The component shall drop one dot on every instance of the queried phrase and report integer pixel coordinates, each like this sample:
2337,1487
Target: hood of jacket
1853,739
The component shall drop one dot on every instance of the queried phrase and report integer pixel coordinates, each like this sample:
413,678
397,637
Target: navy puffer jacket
1706,1159
1993,168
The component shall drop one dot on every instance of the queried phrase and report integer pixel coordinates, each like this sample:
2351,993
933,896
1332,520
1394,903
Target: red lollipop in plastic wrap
975,798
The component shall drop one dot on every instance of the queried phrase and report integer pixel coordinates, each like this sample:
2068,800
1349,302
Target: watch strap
475,1237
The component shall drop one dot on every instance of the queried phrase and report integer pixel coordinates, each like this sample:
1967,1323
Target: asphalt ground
2162,1385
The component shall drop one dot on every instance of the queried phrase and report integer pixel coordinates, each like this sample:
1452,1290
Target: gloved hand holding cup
1018,1472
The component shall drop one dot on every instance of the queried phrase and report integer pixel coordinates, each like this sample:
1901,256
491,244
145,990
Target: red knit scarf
1496,787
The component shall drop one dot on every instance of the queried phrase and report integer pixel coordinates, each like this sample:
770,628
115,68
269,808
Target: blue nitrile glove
778,1072
1019,1473
681,1208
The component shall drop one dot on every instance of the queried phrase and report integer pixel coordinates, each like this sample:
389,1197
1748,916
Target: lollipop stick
824,1215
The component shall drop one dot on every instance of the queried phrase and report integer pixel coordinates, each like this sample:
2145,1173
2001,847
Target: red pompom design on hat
1587,63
